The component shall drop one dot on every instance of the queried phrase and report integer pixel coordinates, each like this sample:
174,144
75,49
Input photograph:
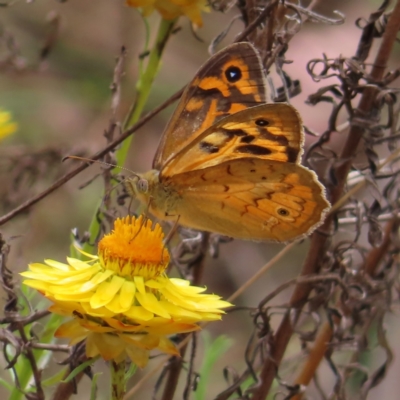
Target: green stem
145,83
143,89
117,380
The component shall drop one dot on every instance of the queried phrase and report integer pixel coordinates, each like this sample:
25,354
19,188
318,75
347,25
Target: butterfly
228,162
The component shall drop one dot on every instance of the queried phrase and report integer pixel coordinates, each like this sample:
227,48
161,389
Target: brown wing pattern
257,200
231,81
269,131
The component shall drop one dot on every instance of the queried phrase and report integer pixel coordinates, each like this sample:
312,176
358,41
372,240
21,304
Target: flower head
7,126
122,301
171,9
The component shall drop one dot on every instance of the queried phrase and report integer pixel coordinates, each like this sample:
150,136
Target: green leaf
55,379
131,371
7,385
212,352
93,389
80,368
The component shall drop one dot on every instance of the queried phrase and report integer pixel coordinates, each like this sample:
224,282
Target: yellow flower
7,126
171,9
122,301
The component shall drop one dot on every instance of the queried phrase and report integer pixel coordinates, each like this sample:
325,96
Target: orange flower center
134,248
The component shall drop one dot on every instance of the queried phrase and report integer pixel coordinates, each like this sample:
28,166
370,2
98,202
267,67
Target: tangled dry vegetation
349,279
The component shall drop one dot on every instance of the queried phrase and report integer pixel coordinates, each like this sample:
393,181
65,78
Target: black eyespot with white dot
233,74
283,212
262,122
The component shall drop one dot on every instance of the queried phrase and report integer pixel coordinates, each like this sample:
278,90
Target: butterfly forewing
251,199
231,81
269,132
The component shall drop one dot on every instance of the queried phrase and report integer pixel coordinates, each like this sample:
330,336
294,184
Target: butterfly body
229,163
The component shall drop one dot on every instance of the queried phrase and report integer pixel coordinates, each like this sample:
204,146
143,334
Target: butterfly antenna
91,161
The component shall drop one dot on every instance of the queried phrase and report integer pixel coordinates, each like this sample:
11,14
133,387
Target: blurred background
62,106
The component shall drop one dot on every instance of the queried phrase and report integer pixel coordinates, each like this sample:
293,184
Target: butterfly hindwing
230,81
255,200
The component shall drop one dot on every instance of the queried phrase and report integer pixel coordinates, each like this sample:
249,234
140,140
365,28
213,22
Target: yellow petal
115,305
180,282
96,280
57,265
100,312
66,309
184,286
127,294
52,275
150,303
177,299
194,14
139,357
143,341
78,276
180,313
83,297
45,269
109,346
79,264
166,346
39,285
71,329
120,326
172,327
139,282
106,291
91,347
211,316
138,313
155,284
67,289
60,278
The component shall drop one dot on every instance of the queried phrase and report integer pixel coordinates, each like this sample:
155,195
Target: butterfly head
141,186
137,186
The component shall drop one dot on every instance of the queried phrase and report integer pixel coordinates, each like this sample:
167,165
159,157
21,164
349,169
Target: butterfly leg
144,220
172,232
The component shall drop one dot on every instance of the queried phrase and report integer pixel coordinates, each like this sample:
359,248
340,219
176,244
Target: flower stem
145,83
117,380
143,87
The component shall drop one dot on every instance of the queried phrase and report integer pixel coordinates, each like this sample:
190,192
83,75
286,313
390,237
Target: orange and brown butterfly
229,163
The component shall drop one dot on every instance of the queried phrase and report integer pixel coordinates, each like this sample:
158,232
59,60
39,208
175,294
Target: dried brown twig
319,238
21,344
